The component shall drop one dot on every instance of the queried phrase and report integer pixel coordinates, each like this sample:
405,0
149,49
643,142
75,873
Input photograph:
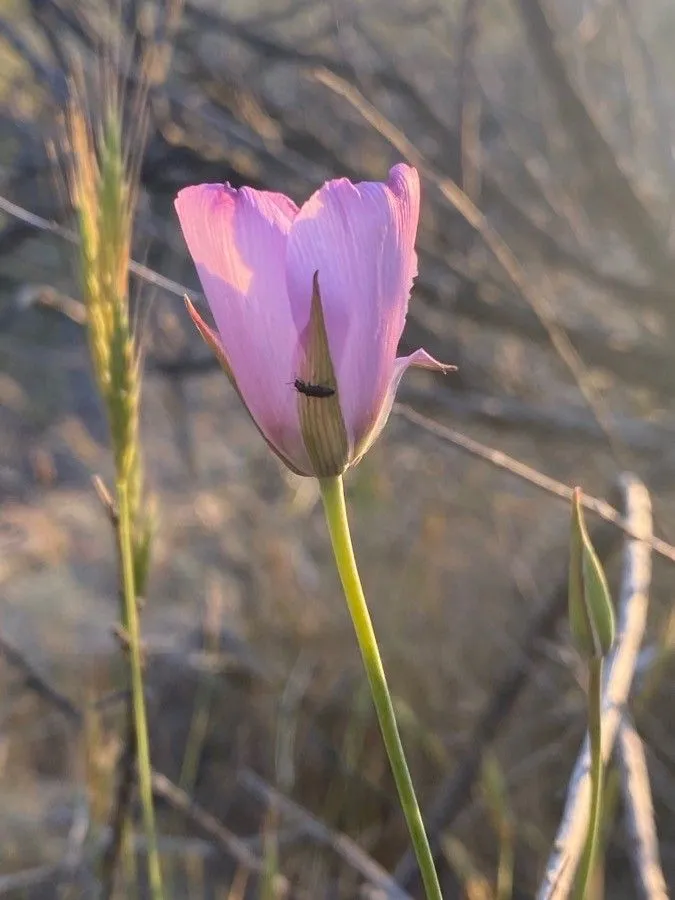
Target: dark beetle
313,390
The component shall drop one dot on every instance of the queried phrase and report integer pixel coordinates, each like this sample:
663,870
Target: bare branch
562,423
53,79
141,271
453,795
342,845
232,845
639,809
633,602
35,682
26,879
469,102
629,213
642,359
537,479
659,114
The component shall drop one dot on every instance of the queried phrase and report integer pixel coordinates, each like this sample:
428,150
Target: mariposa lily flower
309,305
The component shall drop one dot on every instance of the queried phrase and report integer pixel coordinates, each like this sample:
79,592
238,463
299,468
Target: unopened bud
590,605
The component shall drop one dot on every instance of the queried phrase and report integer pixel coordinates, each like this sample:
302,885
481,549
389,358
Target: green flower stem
595,738
138,698
332,494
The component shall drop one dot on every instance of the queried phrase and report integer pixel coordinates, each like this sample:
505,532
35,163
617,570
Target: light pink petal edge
360,238
237,239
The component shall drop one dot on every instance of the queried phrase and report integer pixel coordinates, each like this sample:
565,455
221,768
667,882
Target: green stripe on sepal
590,604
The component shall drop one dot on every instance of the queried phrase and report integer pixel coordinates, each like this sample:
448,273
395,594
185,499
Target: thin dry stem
225,839
377,877
639,812
537,479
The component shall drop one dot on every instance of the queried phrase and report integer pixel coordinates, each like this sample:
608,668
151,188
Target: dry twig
232,845
619,195
35,682
136,268
469,102
377,877
639,812
544,482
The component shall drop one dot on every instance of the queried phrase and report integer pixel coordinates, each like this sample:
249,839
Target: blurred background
544,134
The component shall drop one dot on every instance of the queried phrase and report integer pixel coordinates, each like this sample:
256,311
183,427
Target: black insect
313,390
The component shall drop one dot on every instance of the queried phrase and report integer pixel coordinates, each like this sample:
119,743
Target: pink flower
309,306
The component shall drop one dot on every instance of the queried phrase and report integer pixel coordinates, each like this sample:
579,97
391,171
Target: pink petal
237,239
360,238
419,358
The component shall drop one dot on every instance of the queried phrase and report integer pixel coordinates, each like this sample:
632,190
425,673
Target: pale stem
332,494
595,738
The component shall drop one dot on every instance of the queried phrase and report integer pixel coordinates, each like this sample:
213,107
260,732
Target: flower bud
590,605
312,356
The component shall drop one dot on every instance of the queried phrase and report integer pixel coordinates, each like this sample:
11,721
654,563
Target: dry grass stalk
103,150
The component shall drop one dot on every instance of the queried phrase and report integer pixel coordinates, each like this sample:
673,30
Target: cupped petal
237,239
419,358
360,238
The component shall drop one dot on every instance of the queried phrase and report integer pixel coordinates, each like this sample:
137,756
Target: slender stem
123,798
505,865
332,494
595,738
138,698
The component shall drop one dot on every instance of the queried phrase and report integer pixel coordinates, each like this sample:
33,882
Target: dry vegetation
548,279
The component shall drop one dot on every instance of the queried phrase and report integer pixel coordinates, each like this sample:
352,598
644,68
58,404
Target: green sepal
321,422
